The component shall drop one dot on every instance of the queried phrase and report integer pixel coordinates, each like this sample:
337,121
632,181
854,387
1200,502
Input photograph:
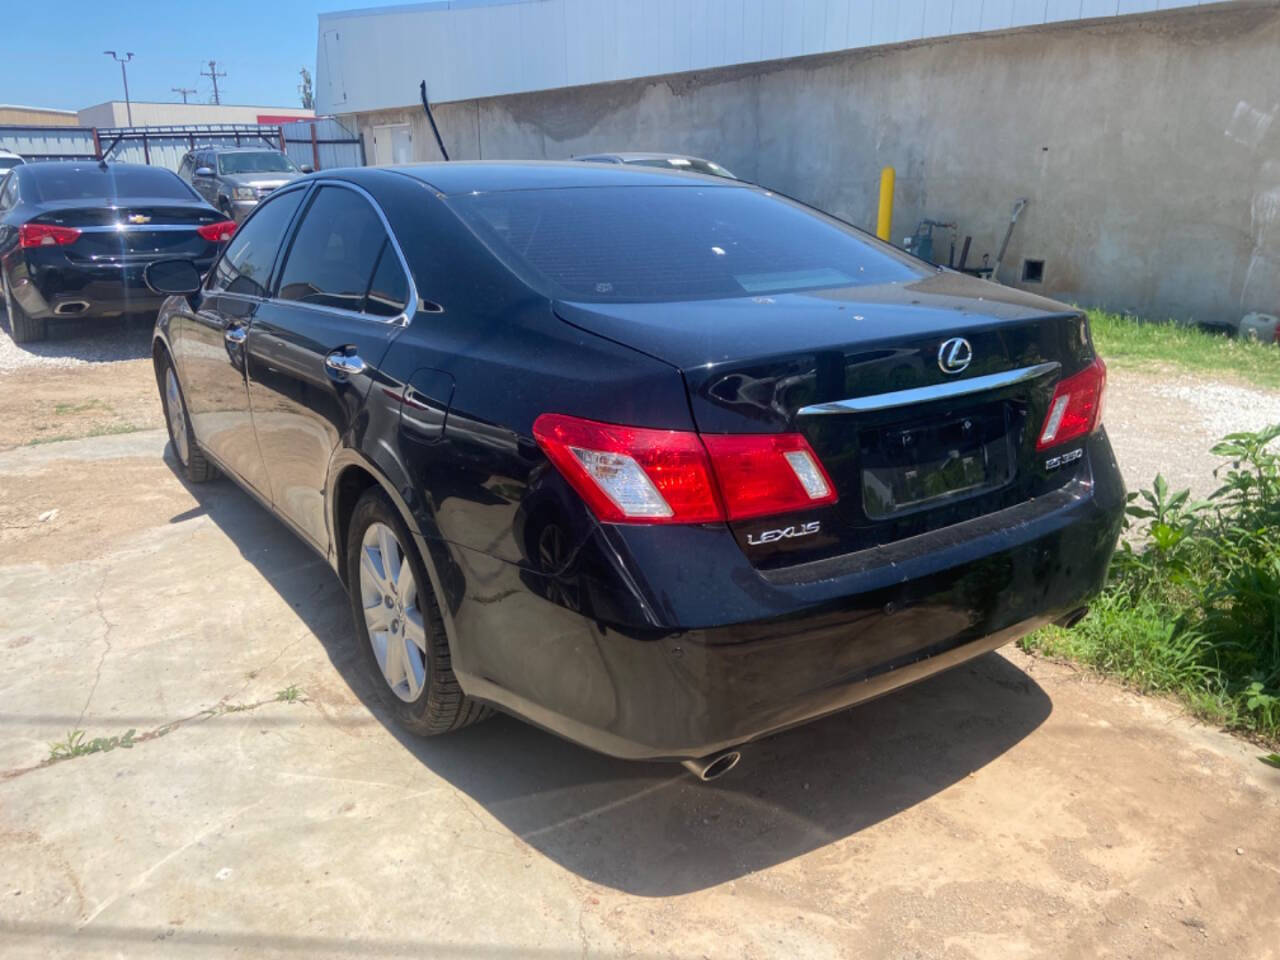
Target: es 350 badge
1053,463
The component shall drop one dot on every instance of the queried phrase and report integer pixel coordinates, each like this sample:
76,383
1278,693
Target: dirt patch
125,499
47,404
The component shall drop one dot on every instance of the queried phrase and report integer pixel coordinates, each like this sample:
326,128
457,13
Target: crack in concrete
106,639
220,709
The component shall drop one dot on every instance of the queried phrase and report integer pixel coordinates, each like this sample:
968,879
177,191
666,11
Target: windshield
684,163
267,161
653,243
74,181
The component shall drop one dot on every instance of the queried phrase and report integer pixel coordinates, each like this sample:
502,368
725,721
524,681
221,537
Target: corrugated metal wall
466,49
335,145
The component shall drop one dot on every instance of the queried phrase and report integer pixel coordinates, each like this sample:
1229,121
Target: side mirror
307,168
204,171
172,277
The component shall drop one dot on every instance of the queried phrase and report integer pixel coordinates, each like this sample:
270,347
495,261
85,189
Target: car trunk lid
137,230
913,437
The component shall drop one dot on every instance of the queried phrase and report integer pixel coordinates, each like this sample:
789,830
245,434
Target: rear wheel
191,458
22,328
398,623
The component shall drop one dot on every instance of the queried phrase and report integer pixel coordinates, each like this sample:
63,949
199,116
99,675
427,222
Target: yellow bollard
884,219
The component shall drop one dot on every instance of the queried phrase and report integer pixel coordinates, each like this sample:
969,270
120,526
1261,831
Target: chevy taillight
46,235
1076,408
219,232
640,475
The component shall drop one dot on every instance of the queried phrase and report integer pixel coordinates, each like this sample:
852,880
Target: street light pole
125,77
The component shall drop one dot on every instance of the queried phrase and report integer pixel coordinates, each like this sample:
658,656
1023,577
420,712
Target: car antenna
422,89
102,164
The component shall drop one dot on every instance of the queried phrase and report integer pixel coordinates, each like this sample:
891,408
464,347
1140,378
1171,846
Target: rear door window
246,266
335,252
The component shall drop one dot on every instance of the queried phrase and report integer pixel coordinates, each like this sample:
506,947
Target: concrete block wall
1147,146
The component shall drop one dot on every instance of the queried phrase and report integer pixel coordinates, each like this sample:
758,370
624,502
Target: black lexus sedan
75,237
659,462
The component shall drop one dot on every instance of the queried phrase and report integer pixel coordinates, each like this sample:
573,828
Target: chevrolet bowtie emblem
139,218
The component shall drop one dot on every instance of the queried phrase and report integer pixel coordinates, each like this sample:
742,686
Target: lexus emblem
955,355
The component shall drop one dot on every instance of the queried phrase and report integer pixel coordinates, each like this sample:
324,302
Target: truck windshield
268,161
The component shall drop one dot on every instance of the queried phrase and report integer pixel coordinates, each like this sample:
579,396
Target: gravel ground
74,344
1165,422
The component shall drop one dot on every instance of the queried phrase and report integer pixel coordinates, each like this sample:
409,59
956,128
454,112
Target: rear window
73,181
653,243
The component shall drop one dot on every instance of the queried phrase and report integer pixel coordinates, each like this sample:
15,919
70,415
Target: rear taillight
46,235
639,475
219,232
1076,408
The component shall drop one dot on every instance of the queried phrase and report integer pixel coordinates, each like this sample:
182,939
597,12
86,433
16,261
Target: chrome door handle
344,364
235,335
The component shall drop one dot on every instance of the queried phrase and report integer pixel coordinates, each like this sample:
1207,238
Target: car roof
487,176
628,157
88,166
212,148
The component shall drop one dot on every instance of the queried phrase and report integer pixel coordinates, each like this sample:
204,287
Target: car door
206,186
315,347
209,340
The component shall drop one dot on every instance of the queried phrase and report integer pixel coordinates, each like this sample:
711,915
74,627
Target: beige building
12,115
113,113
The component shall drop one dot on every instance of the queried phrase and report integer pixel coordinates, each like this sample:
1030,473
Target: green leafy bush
1195,609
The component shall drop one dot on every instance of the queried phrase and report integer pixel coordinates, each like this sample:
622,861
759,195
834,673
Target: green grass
1192,603
1128,342
75,745
112,429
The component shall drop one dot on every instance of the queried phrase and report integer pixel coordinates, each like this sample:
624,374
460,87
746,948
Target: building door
392,143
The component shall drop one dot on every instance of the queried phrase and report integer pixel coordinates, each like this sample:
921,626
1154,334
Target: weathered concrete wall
1147,146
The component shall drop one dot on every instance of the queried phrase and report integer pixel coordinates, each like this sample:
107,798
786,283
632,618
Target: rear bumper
60,288
664,643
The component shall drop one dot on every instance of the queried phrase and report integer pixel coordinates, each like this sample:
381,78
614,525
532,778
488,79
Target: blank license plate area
910,467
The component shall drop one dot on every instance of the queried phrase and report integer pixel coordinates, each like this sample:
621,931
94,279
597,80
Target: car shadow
651,829
90,340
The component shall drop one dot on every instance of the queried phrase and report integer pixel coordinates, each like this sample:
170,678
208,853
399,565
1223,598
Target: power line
213,75
184,91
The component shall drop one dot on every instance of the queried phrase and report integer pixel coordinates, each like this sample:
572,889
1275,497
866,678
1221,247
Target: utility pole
213,75
125,77
184,91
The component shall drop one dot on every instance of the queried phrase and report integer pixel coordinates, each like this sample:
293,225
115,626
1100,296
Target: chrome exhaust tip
69,307
713,767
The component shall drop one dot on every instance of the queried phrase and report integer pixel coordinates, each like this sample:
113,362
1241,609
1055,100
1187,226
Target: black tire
441,707
195,466
22,328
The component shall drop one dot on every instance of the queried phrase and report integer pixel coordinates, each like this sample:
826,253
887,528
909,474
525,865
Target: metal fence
324,143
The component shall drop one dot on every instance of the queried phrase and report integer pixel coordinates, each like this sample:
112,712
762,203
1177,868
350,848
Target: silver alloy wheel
392,614
177,416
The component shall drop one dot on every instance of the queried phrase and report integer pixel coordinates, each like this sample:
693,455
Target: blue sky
51,50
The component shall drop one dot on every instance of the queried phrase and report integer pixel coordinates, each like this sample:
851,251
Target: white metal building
466,49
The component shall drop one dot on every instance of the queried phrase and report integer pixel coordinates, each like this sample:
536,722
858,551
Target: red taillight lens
639,475
631,474
46,235
219,232
762,474
1076,408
